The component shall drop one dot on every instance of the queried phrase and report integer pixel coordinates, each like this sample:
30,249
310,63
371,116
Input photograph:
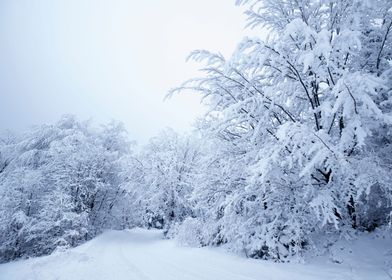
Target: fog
108,59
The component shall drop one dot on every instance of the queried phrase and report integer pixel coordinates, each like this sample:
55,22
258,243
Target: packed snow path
143,255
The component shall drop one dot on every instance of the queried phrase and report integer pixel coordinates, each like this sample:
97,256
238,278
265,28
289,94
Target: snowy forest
293,154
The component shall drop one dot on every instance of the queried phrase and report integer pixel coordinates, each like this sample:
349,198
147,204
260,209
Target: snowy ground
142,255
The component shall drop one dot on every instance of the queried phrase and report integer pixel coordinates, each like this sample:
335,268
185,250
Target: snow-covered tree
61,185
170,172
304,121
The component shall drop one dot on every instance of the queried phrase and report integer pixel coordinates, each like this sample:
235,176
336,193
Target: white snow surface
140,254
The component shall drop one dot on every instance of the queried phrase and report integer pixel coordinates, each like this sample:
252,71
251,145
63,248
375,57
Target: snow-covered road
143,255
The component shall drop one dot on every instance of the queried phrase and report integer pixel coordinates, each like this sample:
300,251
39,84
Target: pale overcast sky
107,59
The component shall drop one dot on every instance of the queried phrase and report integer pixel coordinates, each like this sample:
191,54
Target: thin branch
355,102
325,144
332,122
382,45
306,91
330,75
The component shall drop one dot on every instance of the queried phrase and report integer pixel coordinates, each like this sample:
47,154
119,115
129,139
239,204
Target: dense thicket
170,164
300,125
60,185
